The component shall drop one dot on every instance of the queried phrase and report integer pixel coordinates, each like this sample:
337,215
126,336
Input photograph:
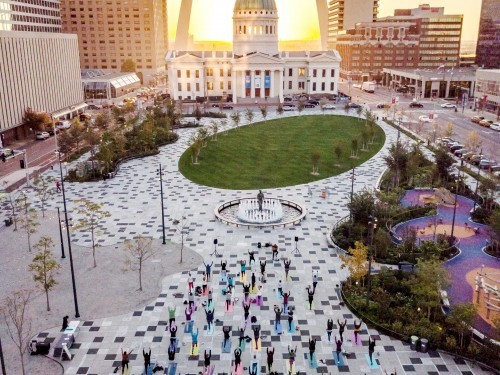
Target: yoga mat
278,328
288,328
339,361
172,368
188,328
312,363
226,348
254,347
373,366
194,350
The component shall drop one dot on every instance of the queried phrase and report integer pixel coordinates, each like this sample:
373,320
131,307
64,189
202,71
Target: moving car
383,105
476,119
368,87
63,124
41,136
328,106
309,105
354,105
448,105
289,107
94,107
416,105
495,126
227,106
424,118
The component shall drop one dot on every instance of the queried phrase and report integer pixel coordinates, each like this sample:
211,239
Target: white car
328,106
63,124
42,135
448,105
424,118
289,108
495,126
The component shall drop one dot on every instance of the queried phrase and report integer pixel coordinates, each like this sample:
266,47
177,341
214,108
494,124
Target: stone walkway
133,199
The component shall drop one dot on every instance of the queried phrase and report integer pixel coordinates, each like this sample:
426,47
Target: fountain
269,212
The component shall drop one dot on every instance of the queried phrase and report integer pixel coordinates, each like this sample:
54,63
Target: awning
69,109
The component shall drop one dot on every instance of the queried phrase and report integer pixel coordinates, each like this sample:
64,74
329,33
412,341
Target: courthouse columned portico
255,68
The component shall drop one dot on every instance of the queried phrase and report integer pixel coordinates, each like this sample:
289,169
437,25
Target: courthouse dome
255,5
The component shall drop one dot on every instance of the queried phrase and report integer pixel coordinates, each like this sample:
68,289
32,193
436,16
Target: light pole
2,362
454,208
352,192
60,232
75,297
160,172
372,224
477,182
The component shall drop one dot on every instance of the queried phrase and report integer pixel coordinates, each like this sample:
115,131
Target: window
315,73
197,86
178,73
323,86
332,86
314,86
229,85
188,74
332,73
290,85
302,72
179,87
229,72
302,85
323,73
221,86
188,86
197,73
210,85
290,72
221,72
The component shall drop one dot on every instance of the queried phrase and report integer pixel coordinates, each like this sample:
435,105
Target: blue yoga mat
338,361
373,366
314,362
278,328
172,368
226,348
188,328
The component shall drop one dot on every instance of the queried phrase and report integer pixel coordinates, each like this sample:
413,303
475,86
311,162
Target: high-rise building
112,32
440,35
488,43
22,15
40,67
345,14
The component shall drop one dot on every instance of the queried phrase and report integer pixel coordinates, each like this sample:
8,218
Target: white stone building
255,68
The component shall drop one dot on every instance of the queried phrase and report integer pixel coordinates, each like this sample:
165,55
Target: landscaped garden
281,152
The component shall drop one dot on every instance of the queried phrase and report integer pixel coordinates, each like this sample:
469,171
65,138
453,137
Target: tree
347,108
315,157
362,206
279,109
44,267
44,189
214,126
38,121
28,222
17,321
461,318
337,149
249,115
65,142
197,114
139,250
359,111
182,227
236,118
443,161
448,130
102,120
128,66
301,105
196,143
76,132
12,206
397,162
473,141
356,262
263,111
90,215
354,148
426,287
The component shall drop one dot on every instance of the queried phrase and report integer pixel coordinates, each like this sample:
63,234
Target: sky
212,19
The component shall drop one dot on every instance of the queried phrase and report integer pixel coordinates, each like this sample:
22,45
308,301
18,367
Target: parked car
448,105
354,105
288,99
456,147
486,164
289,107
402,89
6,152
460,152
53,131
309,105
495,126
467,155
485,123
476,119
424,118
328,106
227,106
383,105
85,116
94,107
357,85
476,159
313,102
416,105
42,135
63,124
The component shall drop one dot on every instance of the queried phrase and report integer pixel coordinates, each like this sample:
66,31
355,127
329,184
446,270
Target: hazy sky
212,19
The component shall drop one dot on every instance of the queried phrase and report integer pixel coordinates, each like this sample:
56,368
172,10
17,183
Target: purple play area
471,248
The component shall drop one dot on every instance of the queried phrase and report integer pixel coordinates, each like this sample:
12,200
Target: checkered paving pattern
133,199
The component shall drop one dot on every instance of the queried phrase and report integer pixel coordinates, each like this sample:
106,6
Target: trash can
43,348
424,345
21,163
413,342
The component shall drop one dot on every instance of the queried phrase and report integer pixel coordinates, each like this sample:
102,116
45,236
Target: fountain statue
260,210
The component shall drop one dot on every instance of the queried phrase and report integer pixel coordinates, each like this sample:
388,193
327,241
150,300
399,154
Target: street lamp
160,172
75,297
352,192
60,232
372,224
454,207
2,362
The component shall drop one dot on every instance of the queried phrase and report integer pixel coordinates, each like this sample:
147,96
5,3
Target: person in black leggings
270,358
251,255
310,297
207,357
262,269
290,318
237,358
341,328
312,348
329,329
371,348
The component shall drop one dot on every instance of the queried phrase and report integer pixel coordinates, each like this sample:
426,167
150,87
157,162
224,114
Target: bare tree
44,267
263,112
44,189
12,206
249,115
315,158
214,127
28,222
236,118
279,109
91,214
15,316
139,250
182,227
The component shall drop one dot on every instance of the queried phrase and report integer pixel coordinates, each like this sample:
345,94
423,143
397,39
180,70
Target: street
462,125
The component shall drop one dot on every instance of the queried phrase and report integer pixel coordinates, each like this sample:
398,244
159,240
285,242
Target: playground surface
472,237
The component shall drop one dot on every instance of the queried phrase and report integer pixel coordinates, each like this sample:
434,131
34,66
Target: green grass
278,152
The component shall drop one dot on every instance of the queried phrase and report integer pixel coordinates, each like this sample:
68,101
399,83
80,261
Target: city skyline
203,26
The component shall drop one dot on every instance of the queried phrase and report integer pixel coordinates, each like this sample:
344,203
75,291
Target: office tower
112,32
345,14
40,66
488,43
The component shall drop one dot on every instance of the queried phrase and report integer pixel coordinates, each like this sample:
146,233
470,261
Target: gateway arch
182,33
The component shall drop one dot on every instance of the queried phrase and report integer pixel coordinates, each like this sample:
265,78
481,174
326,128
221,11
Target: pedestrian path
133,199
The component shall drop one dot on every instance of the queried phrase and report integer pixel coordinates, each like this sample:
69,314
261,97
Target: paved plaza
133,199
